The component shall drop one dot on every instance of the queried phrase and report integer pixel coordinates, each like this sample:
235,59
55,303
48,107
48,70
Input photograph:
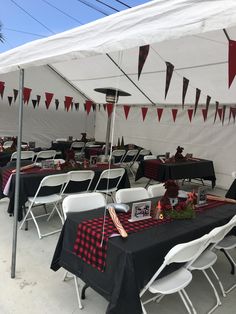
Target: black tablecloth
4,158
203,169
29,183
131,262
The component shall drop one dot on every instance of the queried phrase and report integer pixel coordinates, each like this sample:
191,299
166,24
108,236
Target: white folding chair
7,144
156,190
179,279
79,176
131,195
142,153
109,181
58,181
78,148
118,154
24,155
208,258
61,140
128,159
149,157
79,203
45,154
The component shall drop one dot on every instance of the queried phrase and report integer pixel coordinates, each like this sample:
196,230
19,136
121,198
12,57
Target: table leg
232,265
83,291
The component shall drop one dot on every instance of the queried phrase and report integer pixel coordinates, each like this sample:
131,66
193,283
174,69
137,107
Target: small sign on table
140,211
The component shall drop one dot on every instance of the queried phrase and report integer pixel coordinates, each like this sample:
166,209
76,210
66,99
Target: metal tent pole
108,136
17,186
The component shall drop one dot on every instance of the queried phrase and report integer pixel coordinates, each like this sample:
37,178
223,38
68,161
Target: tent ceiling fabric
189,34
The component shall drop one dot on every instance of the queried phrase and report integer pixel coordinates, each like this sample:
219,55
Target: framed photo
202,196
189,156
93,160
140,211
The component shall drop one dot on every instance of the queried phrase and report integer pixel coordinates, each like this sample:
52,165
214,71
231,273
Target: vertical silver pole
17,184
108,135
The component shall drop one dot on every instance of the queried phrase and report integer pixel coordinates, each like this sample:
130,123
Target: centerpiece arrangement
172,206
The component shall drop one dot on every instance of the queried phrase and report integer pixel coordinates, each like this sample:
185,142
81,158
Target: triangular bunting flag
15,93
169,72
72,105
76,106
220,111
118,144
48,100
104,107
126,110
143,53
233,111
231,61
56,103
216,111
10,98
38,99
174,114
208,102
198,93
26,94
2,87
185,87
34,102
204,114
190,114
144,112
94,107
159,113
223,114
88,105
67,102
109,109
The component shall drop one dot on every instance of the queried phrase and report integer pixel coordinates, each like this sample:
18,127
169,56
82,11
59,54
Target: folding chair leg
184,301
219,282
215,292
77,292
29,211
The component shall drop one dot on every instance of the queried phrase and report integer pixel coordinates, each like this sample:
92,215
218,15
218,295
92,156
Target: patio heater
112,96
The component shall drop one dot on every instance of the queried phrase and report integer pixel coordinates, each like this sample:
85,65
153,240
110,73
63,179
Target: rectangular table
191,169
131,262
29,183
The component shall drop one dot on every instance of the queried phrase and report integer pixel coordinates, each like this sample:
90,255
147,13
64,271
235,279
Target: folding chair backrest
131,195
110,174
218,233
24,155
46,154
156,190
77,145
118,152
54,180
142,153
79,176
149,157
83,202
130,155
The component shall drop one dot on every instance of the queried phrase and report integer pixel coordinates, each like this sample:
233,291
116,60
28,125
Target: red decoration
2,87
231,61
126,110
198,93
88,105
144,112
190,114
159,113
174,113
68,101
143,53
109,109
26,94
204,114
185,87
169,72
48,100
220,111
232,112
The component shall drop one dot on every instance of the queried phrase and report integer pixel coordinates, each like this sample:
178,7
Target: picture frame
93,160
140,211
202,196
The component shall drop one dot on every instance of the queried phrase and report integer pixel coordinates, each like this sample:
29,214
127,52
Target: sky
27,20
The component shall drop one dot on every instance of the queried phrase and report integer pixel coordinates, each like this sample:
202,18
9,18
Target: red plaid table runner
151,168
89,236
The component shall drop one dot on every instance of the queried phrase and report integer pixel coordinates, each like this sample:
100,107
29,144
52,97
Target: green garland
187,213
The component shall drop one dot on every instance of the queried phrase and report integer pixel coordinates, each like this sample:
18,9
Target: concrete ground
37,289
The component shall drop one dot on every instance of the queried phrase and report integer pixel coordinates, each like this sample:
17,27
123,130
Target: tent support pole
17,186
108,136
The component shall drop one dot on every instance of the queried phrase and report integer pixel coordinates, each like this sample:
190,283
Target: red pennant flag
231,61
126,110
223,114
185,87
216,111
26,94
48,100
15,93
143,53
2,87
88,105
34,102
10,100
76,106
68,101
109,109
233,112
198,93
220,111
159,113
174,113
144,112
38,99
204,114
56,103
190,114
169,72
